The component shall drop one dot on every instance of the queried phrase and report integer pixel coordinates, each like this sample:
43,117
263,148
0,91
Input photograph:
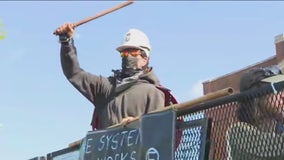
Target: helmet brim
123,47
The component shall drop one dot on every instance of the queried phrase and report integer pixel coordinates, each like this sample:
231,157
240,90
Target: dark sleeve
90,85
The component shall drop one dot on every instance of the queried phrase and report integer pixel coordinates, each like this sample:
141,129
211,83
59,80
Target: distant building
232,79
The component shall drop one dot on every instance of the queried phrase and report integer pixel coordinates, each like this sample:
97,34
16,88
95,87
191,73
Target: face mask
129,62
129,65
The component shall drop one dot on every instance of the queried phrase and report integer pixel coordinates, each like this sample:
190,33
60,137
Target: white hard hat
135,38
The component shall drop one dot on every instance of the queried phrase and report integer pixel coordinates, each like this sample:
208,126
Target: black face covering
129,65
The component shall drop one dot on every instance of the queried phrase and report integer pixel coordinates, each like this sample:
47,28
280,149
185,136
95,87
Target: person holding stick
132,91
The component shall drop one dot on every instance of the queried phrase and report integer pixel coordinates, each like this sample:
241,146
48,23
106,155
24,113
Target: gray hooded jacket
112,102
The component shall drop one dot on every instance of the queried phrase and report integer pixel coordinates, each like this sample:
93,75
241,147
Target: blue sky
192,42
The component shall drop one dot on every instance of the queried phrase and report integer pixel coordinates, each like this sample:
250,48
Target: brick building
232,79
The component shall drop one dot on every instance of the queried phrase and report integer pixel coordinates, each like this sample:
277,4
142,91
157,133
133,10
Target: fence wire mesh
243,126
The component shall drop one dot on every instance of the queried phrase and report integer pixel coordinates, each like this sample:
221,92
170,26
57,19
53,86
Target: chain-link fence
243,126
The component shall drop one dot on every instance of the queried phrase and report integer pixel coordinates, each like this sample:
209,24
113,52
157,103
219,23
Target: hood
150,77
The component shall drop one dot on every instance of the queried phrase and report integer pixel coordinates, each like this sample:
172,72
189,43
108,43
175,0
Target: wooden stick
124,4
207,97
76,143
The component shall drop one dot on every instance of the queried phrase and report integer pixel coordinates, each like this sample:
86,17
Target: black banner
151,138
158,136
113,144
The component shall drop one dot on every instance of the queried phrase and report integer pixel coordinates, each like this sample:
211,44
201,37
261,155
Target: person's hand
127,120
67,28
